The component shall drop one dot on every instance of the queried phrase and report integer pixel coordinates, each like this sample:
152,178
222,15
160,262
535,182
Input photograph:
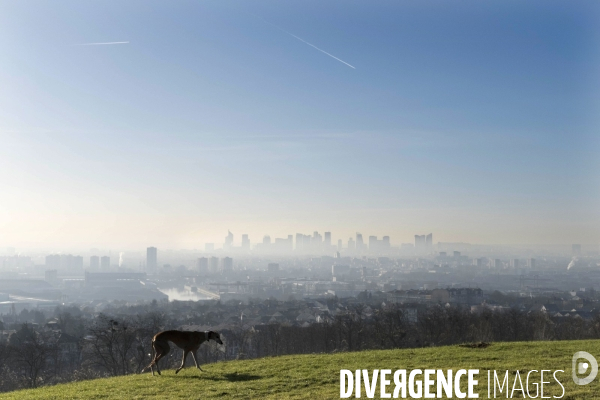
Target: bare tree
28,355
111,346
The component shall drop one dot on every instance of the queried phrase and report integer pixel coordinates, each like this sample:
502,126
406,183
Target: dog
188,341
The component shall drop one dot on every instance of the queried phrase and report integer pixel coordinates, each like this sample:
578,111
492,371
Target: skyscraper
151,259
245,242
94,262
228,240
105,262
386,243
373,244
317,239
359,242
327,239
420,243
299,241
429,242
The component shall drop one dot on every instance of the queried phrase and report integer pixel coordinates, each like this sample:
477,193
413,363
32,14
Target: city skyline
476,121
316,243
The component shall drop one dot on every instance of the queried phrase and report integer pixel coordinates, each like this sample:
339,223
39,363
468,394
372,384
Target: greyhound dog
188,341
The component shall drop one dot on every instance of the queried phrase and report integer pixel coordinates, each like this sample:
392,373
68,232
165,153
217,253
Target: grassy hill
318,376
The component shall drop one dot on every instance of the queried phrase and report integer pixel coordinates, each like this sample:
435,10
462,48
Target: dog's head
214,336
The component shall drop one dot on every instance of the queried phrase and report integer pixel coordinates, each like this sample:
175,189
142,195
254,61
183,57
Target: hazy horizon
128,125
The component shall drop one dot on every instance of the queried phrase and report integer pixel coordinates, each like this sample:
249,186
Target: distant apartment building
359,242
77,263
373,244
424,243
284,245
379,246
317,241
327,240
351,244
202,265
105,262
94,262
303,242
53,261
386,242
64,262
420,243
227,264
429,242
151,259
245,242
51,275
407,247
213,264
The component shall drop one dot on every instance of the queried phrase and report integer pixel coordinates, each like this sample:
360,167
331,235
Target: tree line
118,342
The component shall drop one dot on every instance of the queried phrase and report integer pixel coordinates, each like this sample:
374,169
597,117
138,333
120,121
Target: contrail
322,51
304,41
99,44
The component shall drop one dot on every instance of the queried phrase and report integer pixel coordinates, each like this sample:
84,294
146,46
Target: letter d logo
582,367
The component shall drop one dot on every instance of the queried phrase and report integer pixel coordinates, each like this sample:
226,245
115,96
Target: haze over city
126,125
354,185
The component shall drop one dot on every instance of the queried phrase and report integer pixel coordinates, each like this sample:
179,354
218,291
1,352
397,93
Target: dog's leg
150,366
185,353
153,355
146,369
151,361
161,350
195,361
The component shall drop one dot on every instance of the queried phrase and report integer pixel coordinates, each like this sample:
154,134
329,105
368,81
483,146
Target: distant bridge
209,294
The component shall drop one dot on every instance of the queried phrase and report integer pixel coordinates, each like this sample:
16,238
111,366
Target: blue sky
474,120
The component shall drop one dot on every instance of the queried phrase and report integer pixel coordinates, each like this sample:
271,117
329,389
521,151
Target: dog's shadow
233,377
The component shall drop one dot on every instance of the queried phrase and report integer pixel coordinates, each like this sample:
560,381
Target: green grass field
318,376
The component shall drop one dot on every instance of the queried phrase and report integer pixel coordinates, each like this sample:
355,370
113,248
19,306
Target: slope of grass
318,376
